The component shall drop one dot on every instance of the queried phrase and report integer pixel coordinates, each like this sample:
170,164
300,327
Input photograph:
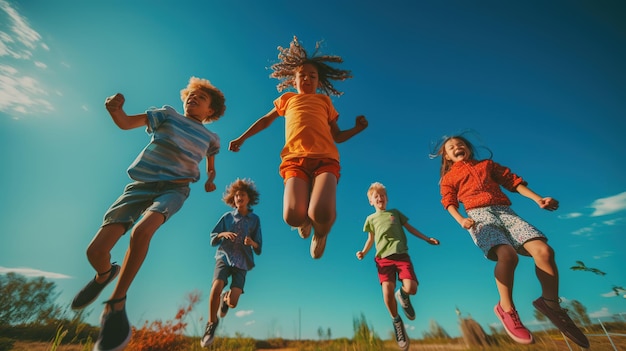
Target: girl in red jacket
501,234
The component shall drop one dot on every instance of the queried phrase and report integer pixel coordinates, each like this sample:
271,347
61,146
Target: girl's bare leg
136,253
546,270
296,202
322,206
504,273
322,211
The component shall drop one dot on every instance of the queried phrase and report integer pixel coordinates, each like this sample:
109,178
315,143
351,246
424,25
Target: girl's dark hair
246,185
293,57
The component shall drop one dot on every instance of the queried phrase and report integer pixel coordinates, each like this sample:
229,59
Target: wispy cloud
609,205
20,93
604,254
32,272
250,323
243,313
571,215
603,312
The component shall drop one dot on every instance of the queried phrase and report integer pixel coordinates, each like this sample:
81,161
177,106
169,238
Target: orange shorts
308,168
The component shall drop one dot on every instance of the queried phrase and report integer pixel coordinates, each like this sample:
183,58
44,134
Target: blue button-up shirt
235,253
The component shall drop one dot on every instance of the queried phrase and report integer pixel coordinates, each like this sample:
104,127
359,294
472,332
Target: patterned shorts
499,225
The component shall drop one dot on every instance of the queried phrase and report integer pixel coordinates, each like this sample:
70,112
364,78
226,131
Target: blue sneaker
405,302
401,338
223,305
91,291
209,334
115,329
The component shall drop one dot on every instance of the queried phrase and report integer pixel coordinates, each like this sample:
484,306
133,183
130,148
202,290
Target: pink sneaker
513,326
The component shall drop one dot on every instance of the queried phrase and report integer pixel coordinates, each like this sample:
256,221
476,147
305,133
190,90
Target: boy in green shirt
385,229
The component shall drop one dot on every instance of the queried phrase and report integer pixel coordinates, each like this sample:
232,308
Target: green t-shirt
388,230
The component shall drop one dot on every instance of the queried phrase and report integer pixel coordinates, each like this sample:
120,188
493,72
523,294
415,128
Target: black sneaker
223,305
115,330
91,291
405,302
209,334
401,338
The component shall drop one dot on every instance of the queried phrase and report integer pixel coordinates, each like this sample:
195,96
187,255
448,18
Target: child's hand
209,186
361,122
433,241
249,242
234,145
114,103
548,203
228,235
359,255
467,223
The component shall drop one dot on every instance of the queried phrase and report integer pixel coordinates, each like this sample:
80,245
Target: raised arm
342,135
114,104
547,203
256,127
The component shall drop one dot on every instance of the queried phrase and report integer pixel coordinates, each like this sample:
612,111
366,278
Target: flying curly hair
295,56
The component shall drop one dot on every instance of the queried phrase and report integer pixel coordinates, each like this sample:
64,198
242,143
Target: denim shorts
165,198
223,271
499,225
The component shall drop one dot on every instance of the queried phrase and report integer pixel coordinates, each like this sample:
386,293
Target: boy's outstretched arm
256,127
465,222
114,104
368,245
419,234
342,135
547,203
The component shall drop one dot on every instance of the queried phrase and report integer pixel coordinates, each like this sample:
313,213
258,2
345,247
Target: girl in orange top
501,234
310,159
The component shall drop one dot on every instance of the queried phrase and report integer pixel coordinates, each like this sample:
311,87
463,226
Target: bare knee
507,255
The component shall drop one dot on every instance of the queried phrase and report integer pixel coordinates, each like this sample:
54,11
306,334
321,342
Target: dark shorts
397,265
223,271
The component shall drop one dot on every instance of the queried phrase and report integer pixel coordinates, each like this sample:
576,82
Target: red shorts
308,168
397,265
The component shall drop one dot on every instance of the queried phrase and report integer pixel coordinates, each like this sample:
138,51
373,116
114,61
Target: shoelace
515,318
399,331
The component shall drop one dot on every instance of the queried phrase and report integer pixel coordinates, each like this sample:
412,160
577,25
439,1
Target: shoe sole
115,273
515,338
318,245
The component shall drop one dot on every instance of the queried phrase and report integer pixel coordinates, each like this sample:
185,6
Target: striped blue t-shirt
177,147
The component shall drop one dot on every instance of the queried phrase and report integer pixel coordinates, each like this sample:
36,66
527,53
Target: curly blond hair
218,101
295,56
246,185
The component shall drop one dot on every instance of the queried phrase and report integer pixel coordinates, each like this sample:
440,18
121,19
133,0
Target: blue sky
543,83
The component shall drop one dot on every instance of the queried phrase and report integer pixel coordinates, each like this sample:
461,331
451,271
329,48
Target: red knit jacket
477,184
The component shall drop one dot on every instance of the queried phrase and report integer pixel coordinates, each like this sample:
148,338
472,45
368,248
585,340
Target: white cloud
20,93
603,312
243,313
32,272
609,205
250,323
604,254
587,231
571,215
